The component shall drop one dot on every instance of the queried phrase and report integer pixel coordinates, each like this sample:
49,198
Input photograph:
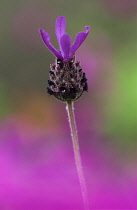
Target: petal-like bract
65,41
60,27
81,36
46,39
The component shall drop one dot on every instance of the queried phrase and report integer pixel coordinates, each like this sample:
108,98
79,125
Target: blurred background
37,168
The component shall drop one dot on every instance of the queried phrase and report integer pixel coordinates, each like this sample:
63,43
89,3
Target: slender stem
72,123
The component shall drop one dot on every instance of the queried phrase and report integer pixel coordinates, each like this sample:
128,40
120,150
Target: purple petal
46,39
81,36
65,46
60,27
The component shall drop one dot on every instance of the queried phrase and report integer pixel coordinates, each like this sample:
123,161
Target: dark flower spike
66,49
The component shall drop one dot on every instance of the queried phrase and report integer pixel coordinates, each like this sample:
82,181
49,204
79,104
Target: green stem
72,123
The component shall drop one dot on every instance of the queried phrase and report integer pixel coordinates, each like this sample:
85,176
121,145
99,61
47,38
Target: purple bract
66,49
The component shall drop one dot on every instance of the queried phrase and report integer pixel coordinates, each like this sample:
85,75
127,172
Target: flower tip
44,34
40,30
87,29
60,18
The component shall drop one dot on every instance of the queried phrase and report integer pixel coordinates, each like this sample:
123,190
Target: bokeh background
37,168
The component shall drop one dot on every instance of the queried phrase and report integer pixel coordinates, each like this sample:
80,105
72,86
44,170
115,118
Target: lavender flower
67,80
67,83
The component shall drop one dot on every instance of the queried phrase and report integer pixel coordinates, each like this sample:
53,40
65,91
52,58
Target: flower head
67,80
67,50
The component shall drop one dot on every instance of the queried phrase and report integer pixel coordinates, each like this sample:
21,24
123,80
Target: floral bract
64,40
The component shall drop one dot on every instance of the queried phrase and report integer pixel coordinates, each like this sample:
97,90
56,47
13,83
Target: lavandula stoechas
68,82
